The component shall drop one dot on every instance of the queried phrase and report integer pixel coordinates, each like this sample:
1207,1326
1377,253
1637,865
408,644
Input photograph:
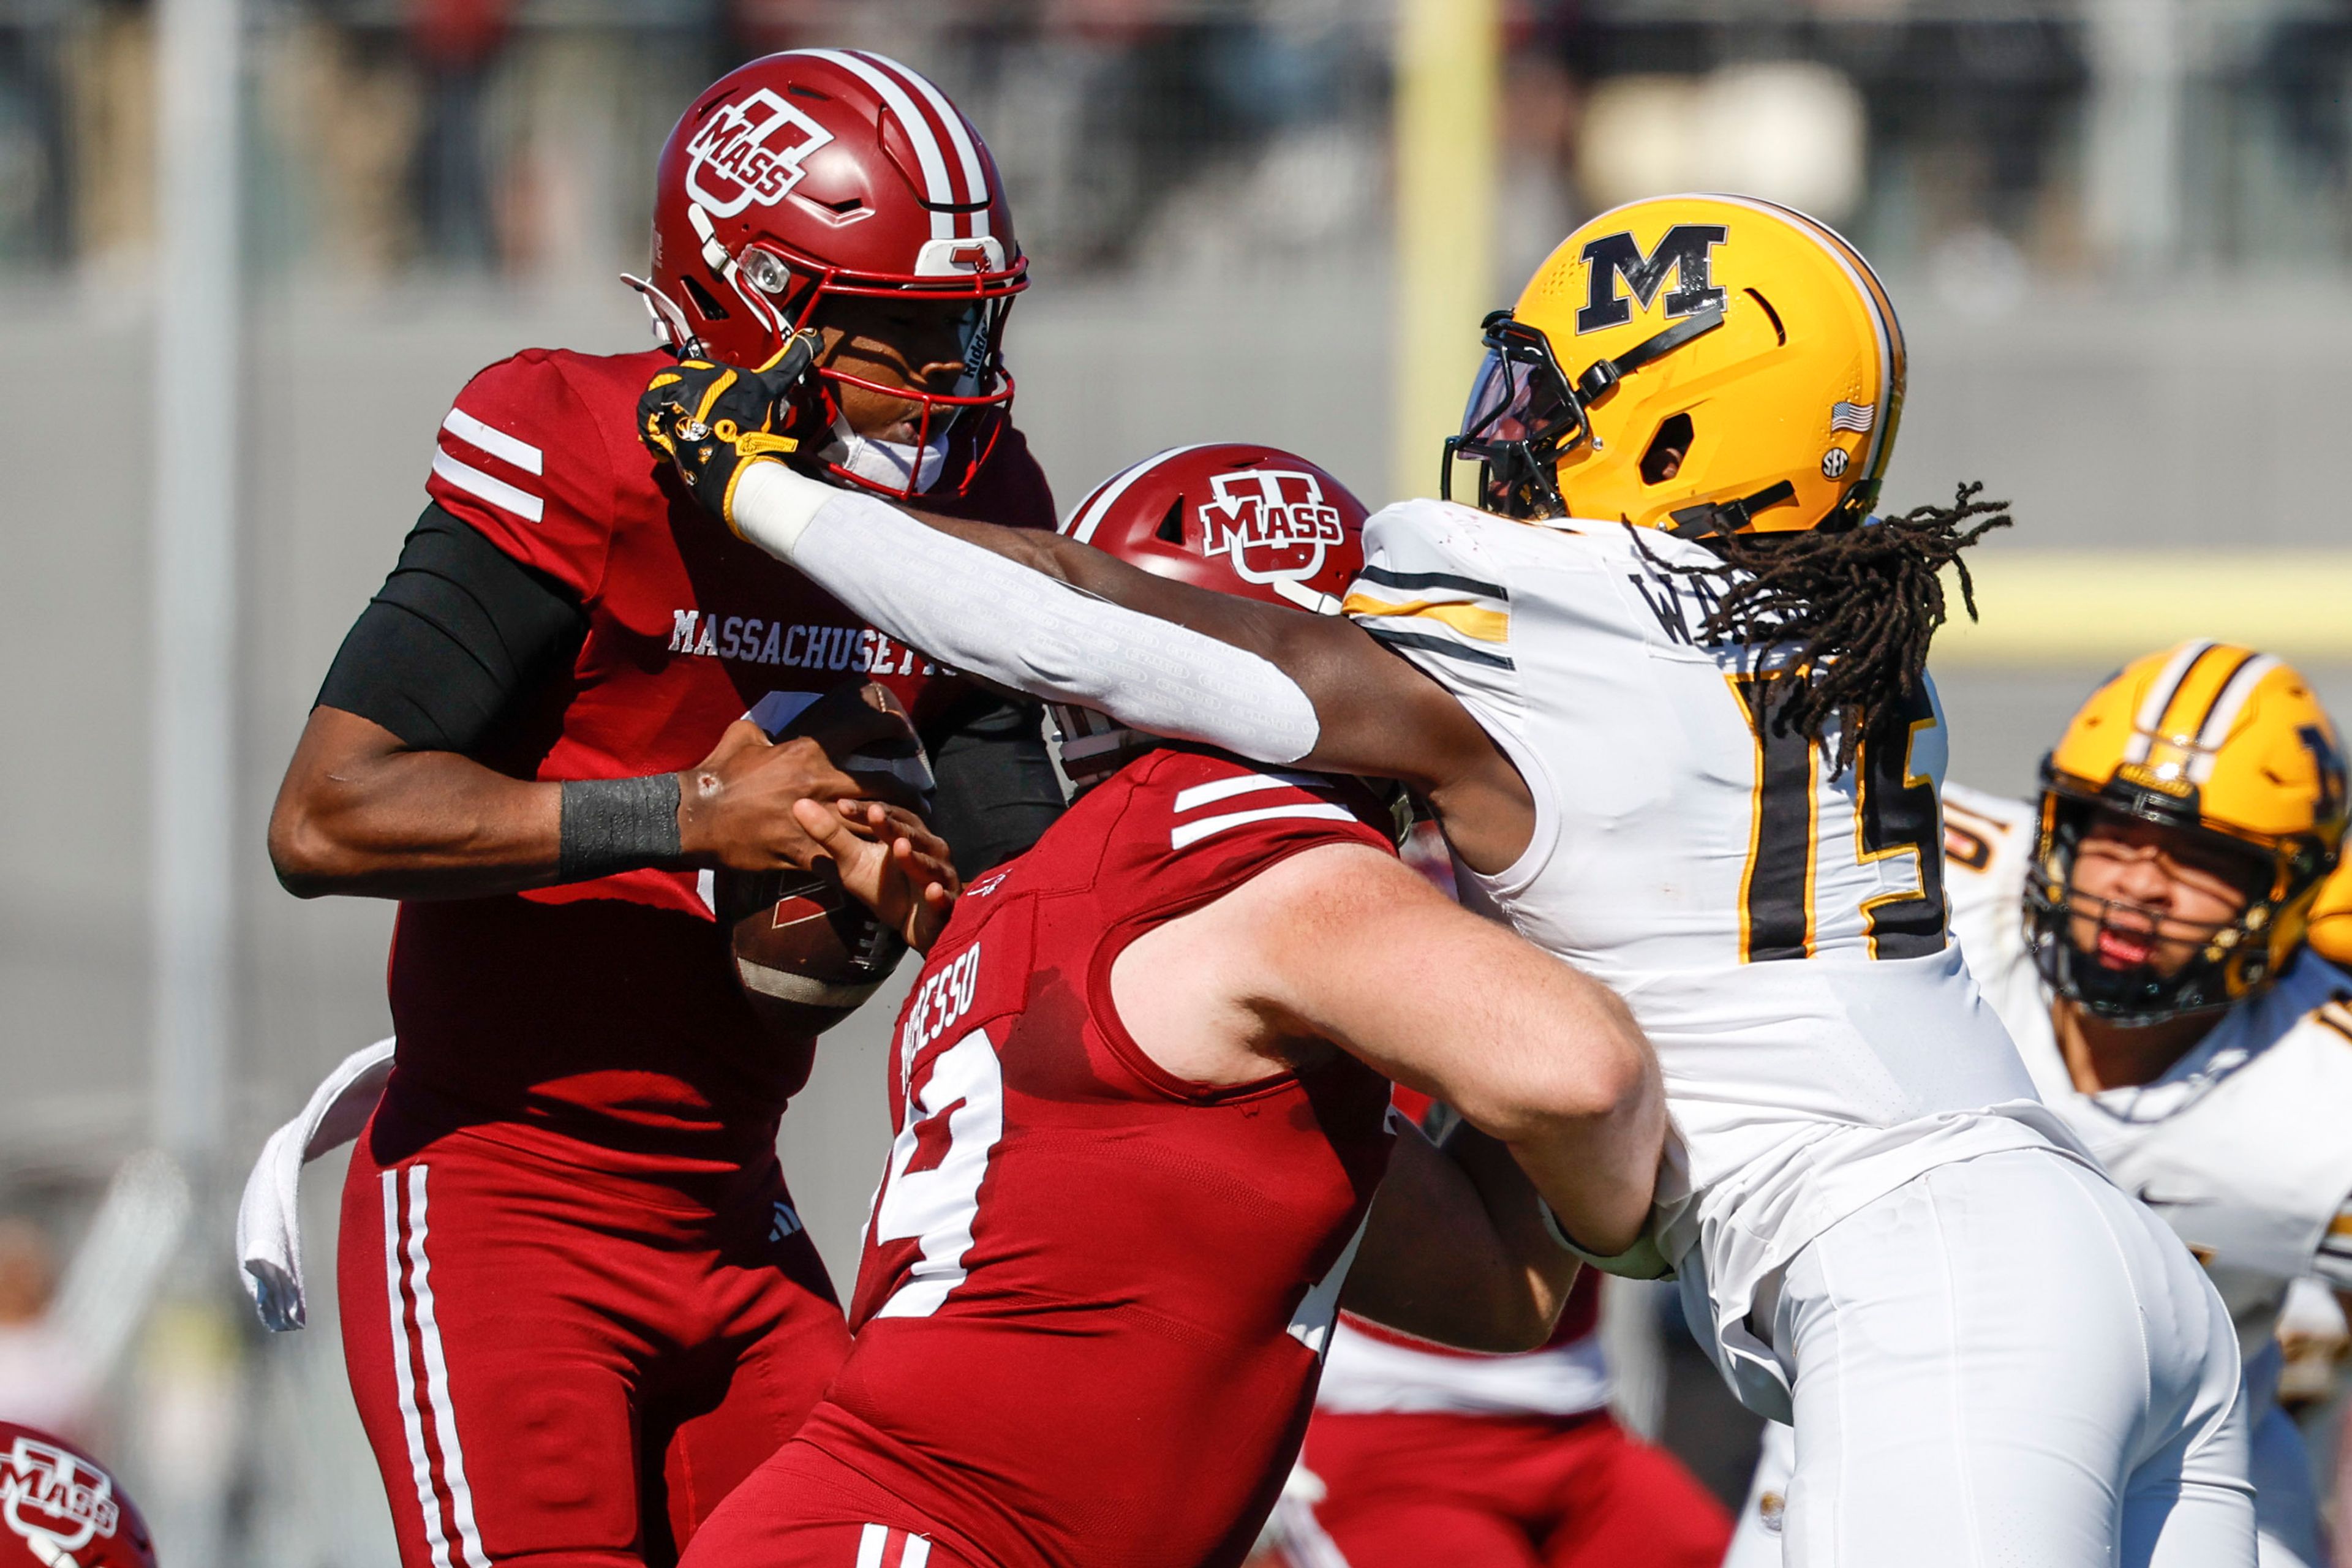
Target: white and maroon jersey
1777,929
2244,1145
1373,1369
608,1011
1095,1296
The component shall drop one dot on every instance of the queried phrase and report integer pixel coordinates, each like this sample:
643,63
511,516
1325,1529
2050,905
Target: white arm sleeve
973,609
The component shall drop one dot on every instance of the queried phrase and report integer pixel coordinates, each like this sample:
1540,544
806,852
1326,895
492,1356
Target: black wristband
616,824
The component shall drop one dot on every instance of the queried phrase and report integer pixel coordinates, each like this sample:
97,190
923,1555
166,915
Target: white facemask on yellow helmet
1701,363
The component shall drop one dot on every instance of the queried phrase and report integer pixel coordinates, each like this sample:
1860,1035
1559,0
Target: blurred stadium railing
2120,231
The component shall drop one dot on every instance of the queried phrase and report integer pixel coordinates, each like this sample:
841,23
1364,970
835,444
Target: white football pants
2286,1509
2003,1363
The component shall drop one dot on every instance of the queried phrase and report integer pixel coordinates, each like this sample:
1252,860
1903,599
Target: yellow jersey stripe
1471,620
2340,1225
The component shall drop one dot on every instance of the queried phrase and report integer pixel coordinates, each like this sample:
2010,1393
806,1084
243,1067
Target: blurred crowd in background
1978,140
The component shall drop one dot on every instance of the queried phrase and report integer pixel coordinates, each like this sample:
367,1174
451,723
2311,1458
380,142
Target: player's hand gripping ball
712,420
806,951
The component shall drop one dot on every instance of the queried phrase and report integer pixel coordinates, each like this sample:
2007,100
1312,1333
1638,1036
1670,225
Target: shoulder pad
1983,832
1988,849
520,457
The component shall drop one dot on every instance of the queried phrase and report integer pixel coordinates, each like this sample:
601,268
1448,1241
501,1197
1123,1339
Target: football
806,951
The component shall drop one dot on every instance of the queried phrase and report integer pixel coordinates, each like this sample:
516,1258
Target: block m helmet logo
1686,250
1273,523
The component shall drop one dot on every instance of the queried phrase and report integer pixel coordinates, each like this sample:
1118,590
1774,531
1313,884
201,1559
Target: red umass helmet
1233,517
819,173
60,1509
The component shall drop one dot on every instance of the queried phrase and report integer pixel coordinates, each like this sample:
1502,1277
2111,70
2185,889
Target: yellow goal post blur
1448,80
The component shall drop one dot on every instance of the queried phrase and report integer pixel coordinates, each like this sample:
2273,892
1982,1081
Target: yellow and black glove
713,420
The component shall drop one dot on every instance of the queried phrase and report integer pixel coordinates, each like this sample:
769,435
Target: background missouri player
2141,930
577,1305
1665,689
1141,1116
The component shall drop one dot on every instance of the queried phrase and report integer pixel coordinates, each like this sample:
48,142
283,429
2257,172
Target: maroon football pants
1482,1491
808,1508
563,1367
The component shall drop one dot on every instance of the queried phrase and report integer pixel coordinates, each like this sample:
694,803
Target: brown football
806,951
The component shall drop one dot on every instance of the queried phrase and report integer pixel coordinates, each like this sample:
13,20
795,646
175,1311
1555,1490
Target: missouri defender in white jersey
1778,932
2240,1147
2139,930
1878,1231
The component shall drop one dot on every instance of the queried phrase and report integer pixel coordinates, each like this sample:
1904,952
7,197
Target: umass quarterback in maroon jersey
1141,1098
577,1303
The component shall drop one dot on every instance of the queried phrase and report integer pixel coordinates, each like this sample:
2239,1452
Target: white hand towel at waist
270,1219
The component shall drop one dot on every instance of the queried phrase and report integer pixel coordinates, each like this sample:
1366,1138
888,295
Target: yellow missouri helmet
2213,738
2330,932
1702,363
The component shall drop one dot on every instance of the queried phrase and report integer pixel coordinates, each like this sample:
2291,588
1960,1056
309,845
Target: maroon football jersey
609,1010
1095,1296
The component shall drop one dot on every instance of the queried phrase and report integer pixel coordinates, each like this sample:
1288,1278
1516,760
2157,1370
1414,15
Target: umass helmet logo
1273,522
750,151
55,1501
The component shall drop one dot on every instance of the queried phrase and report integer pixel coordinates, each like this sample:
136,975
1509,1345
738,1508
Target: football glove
711,421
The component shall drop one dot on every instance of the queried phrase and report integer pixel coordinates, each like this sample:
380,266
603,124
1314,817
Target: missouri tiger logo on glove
711,420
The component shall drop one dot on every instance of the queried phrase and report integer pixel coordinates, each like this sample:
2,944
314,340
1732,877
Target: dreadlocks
1863,602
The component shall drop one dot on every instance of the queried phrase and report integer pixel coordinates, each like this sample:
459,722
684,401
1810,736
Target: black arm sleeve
457,632
997,792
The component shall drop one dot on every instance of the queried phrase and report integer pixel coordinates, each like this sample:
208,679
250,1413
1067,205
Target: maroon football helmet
60,1509
1231,516
821,173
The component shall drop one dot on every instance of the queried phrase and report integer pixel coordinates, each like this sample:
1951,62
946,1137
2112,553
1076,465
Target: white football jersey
1778,933
2242,1145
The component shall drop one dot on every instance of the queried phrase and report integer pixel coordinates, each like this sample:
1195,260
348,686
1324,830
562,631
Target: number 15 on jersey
1851,864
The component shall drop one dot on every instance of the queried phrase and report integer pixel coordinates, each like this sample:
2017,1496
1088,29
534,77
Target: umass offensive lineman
1142,1105
576,1304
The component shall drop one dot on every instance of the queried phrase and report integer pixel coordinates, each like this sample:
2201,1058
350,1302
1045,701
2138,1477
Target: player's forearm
1597,1172
414,825
1579,1102
1537,1271
1531,1053
360,814
992,615
1456,1250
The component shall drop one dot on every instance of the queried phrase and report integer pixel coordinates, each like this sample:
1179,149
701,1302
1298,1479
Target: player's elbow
310,858
1519,1320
